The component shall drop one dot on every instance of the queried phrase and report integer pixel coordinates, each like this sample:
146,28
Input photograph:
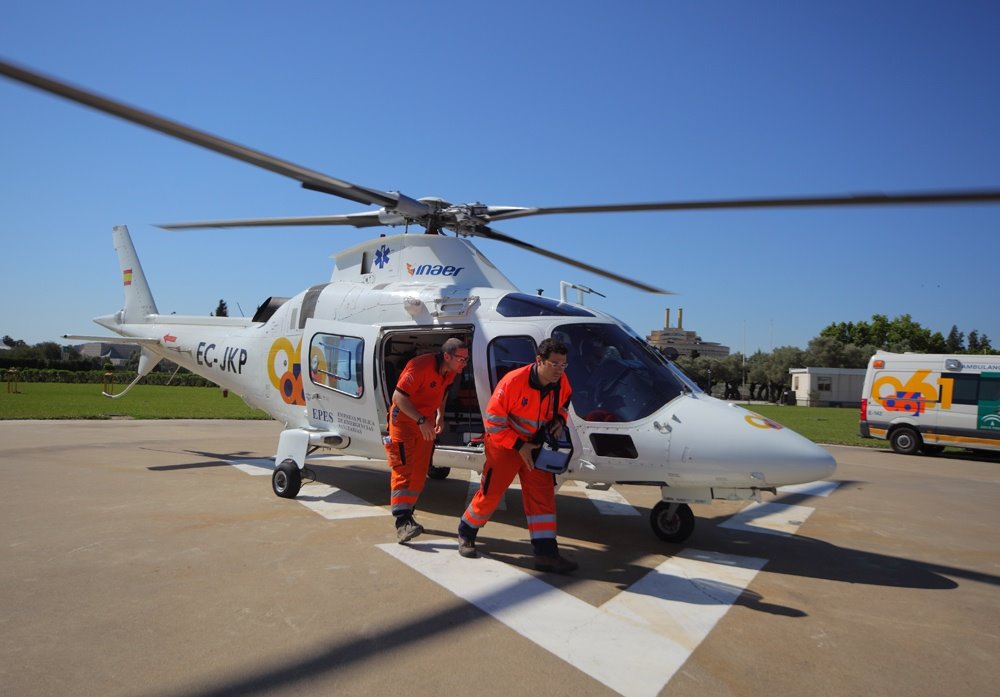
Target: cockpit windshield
615,375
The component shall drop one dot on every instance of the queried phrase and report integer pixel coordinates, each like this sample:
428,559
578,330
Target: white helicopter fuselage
325,363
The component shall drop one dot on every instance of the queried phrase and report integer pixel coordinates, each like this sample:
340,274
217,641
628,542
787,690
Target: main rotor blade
358,220
492,234
868,199
309,178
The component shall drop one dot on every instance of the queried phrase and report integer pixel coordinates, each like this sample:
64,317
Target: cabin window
335,362
509,352
521,305
614,374
613,445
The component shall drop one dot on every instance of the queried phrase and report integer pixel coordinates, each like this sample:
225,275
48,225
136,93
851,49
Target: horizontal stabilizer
134,341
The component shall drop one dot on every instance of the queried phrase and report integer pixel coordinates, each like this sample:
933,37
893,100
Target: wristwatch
421,420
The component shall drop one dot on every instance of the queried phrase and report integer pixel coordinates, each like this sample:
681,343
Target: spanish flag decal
127,276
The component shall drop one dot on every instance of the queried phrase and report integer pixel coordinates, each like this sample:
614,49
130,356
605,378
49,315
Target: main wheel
905,441
286,480
675,528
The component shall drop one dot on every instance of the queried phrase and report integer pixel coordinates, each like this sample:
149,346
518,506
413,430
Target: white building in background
827,387
109,352
684,341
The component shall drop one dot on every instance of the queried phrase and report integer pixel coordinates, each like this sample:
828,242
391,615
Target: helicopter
325,361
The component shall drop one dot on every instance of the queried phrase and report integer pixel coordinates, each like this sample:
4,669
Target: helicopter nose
725,438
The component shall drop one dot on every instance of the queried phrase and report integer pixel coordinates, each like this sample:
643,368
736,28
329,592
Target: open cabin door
459,445
339,383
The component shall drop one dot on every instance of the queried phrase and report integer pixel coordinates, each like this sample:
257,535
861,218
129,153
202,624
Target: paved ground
136,560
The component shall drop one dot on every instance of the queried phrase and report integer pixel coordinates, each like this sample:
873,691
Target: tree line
764,376
51,362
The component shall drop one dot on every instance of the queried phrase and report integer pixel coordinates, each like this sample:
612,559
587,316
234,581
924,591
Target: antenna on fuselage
580,290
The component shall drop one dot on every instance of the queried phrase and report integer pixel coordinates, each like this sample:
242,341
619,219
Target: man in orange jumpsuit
526,403
415,418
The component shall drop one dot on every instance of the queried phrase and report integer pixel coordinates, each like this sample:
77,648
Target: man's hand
526,452
427,430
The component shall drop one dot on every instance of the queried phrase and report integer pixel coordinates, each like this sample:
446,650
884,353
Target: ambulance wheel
286,480
438,473
930,449
676,528
905,441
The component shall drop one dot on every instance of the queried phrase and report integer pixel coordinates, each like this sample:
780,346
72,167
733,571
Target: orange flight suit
409,454
517,410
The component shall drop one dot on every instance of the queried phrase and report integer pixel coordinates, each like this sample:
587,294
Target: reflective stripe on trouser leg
501,466
538,493
409,457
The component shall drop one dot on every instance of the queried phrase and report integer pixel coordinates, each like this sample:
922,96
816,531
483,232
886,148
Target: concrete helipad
146,558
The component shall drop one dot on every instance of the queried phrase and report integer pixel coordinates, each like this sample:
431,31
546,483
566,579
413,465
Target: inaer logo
433,270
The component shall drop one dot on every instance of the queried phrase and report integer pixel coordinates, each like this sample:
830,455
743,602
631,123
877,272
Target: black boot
467,540
407,528
547,558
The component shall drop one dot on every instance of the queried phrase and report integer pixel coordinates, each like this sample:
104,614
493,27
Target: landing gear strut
672,522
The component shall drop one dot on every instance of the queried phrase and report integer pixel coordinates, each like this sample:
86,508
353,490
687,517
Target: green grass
37,400
835,426
50,400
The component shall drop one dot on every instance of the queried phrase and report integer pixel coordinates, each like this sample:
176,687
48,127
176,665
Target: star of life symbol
382,256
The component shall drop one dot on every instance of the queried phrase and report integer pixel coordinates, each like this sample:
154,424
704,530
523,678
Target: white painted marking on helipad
329,501
633,644
608,501
258,466
770,518
821,488
336,504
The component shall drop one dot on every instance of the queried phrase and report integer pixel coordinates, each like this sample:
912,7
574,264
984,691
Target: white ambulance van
924,402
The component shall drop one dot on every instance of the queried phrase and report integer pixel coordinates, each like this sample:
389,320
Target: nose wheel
286,480
672,522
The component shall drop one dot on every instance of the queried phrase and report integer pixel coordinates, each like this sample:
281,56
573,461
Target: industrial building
685,342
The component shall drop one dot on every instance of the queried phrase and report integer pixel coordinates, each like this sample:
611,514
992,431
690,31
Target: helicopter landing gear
286,480
438,473
672,522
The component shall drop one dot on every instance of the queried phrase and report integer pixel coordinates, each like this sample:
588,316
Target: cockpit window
615,375
521,305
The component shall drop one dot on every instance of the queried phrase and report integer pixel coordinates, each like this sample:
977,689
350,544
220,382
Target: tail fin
138,300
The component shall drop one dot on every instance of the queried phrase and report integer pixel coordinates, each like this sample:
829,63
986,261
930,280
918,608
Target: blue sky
516,103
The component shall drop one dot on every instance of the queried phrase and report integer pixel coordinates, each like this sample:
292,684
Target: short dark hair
550,346
452,345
